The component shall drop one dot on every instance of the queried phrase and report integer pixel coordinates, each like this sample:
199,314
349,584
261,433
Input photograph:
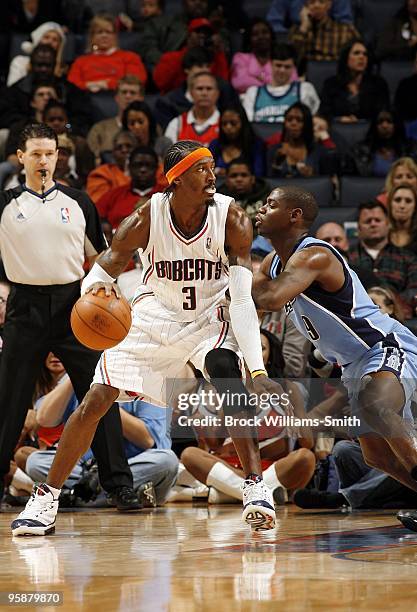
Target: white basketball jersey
188,275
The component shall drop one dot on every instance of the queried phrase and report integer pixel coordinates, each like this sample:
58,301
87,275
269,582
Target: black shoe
15,500
408,518
279,496
146,495
125,499
1,488
313,498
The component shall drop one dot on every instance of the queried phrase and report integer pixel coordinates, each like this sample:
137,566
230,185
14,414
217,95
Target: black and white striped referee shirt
44,241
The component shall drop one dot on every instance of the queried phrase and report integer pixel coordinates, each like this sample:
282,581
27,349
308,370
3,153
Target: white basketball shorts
153,355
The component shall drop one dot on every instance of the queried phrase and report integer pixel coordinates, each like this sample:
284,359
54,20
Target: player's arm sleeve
244,318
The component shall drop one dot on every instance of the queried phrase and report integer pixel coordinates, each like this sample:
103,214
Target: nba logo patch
208,243
65,216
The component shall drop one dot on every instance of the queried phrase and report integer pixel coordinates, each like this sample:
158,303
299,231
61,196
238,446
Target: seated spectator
249,191
48,33
395,267
252,67
237,139
102,67
111,175
321,132
297,154
81,161
24,16
120,202
169,32
402,172
270,102
402,213
334,234
201,122
284,13
138,119
146,439
387,301
100,137
399,38
169,74
405,102
64,172
148,10
43,91
385,142
318,37
34,436
179,100
15,100
354,92
283,468
360,485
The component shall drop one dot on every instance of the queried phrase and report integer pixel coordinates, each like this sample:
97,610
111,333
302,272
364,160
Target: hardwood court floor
187,559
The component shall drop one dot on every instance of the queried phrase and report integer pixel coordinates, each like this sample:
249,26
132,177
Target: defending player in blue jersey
329,305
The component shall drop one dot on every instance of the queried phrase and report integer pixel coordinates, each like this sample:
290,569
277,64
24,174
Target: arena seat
348,134
357,189
256,9
103,105
318,72
320,186
266,130
374,15
394,72
336,214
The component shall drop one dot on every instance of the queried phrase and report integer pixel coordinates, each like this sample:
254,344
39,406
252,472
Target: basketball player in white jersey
194,245
328,304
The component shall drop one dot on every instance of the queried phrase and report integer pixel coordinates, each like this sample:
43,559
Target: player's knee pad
222,363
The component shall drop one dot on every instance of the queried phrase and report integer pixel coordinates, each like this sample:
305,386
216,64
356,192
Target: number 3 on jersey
311,330
191,303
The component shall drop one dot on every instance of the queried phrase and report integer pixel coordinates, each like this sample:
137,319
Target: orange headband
186,163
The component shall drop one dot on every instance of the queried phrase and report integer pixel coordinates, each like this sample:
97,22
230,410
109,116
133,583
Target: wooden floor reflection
204,559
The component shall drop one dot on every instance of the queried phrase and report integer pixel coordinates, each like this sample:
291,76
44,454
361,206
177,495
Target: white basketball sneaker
38,517
258,505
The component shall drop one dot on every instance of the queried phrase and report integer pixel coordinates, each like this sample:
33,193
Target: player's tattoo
125,227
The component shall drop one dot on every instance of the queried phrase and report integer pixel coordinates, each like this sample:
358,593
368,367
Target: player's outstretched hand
108,289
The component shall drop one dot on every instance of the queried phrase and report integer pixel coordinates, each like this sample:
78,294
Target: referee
46,231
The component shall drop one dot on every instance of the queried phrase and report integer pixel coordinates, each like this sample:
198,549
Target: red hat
201,22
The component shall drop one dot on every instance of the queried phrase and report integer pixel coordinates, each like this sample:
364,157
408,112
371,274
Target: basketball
100,322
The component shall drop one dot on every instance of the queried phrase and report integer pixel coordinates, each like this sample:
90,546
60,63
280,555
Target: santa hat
37,34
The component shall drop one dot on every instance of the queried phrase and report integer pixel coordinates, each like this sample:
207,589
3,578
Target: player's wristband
256,373
96,275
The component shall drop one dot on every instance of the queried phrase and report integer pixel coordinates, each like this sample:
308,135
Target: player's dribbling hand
108,289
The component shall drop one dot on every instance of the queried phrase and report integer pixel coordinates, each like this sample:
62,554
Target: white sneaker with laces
38,517
258,505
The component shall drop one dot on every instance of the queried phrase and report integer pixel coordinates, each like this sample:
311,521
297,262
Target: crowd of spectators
301,92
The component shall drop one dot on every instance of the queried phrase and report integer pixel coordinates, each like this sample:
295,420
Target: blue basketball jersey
342,325
270,108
